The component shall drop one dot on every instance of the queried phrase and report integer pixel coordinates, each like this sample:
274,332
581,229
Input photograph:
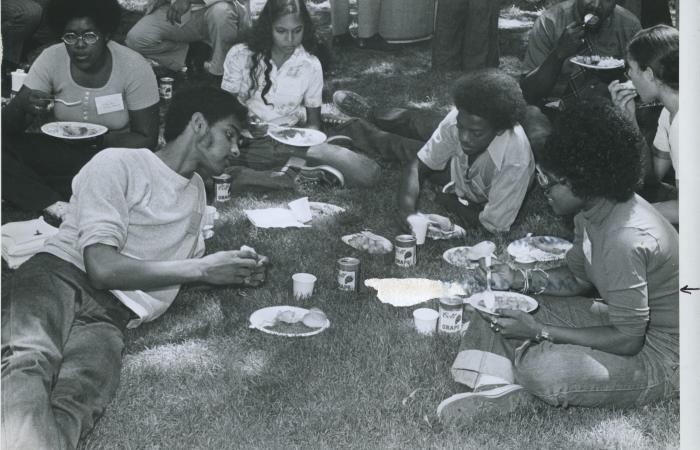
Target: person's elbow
630,345
99,272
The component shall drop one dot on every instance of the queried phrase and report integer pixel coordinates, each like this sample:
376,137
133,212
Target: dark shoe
462,408
322,175
353,105
344,40
375,42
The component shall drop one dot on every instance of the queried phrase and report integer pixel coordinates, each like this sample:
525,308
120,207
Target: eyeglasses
88,38
545,182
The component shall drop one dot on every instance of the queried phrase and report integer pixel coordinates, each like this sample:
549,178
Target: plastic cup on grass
425,320
303,285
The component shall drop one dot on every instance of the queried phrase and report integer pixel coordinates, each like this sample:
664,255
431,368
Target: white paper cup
210,215
426,320
18,77
303,285
301,209
419,226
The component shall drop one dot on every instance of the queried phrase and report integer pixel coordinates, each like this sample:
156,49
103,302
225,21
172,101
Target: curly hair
105,13
213,103
657,47
491,95
259,39
597,150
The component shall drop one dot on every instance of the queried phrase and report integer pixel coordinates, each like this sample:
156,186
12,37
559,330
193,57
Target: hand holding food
441,222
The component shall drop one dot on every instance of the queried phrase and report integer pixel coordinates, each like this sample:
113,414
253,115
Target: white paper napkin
21,240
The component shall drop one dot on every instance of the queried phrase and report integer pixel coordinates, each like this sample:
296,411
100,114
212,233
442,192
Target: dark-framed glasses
546,182
89,38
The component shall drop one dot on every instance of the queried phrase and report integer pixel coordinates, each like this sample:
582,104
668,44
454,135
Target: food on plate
315,318
289,133
441,222
599,61
74,130
369,242
548,244
502,300
460,256
287,317
291,322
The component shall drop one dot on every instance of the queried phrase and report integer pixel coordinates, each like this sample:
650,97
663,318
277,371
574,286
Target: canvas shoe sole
323,175
463,408
352,104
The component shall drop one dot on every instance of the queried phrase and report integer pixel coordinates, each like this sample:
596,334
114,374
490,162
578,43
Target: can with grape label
405,255
349,274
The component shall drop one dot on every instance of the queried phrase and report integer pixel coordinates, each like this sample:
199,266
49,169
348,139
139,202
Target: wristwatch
543,335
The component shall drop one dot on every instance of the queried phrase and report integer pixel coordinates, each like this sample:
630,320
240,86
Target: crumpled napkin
22,240
297,215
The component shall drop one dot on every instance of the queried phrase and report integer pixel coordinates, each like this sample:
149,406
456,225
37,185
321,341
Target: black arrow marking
686,290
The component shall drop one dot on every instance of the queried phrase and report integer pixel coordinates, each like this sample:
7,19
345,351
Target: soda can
405,255
349,274
166,88
450,314
222,187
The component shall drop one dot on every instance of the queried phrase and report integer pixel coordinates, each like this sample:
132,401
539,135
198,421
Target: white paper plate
320,209
73,130
436,233
375,237
265,317
457,257
299,137
526,247
527,304
614,63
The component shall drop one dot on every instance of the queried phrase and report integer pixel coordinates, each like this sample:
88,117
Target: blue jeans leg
61,353
563,374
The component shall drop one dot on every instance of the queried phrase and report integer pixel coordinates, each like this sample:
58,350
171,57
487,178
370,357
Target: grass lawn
199,378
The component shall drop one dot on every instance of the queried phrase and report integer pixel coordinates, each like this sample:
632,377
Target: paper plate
437,233
457,256
504,300
320,209
353,241
265,317
73,130
535,247
299,137
605,63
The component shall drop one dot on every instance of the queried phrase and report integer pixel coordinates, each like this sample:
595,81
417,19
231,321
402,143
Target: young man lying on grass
620,352
132,236
479,152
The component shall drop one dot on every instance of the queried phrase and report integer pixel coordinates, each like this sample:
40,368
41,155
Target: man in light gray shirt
133,234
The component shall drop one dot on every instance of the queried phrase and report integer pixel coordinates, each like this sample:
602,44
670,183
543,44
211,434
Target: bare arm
559,282
518,324
540,81
313,118
143,132
20,112
108,269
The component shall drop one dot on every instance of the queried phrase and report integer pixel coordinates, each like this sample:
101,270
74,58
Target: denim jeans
564,374
62,344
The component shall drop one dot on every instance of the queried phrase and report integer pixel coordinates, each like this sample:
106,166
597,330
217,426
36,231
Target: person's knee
29,362
140,37
223,17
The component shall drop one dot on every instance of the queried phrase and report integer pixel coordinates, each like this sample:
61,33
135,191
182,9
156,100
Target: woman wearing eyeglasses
652,59
573,351
110,85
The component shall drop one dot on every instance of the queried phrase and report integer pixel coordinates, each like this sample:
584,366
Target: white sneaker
463,408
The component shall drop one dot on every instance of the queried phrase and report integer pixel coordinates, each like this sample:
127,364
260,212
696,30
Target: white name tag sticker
109,103
587,246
